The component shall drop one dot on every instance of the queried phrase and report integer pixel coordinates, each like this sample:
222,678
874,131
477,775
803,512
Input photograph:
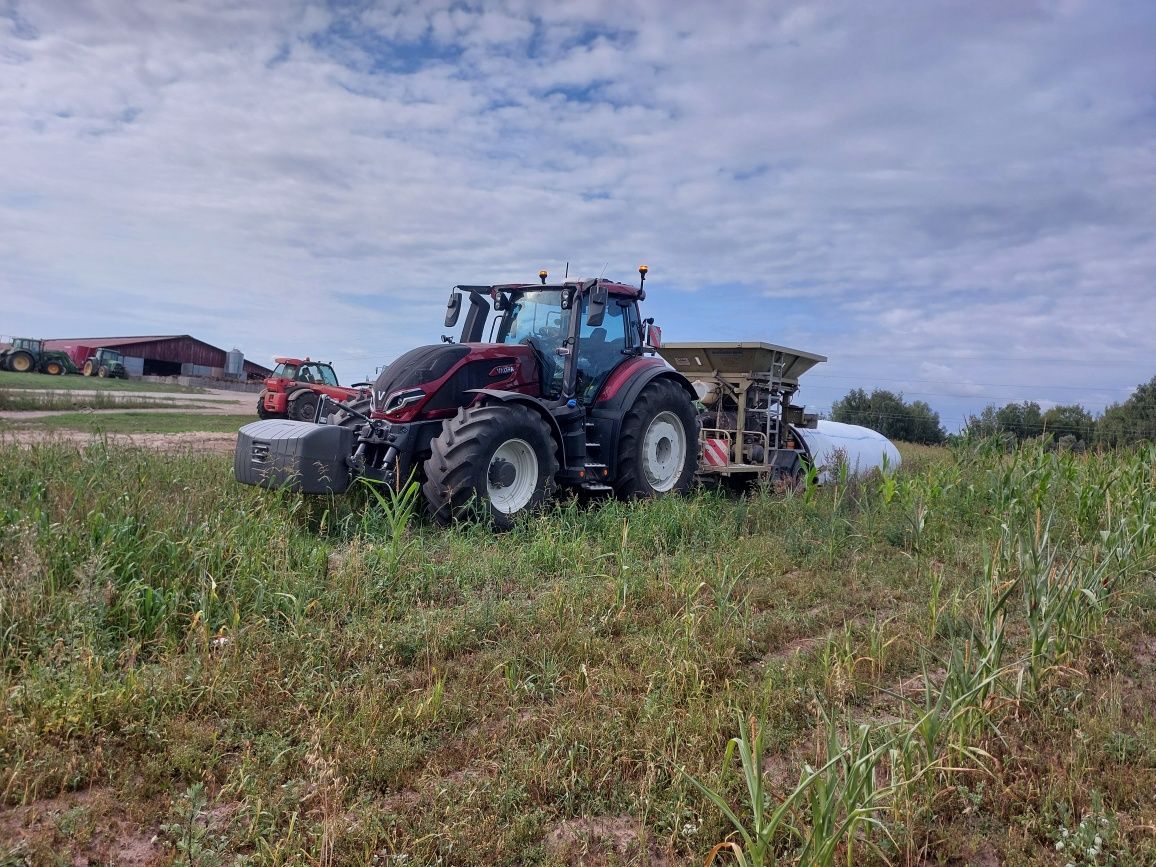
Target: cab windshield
537,315
536,318
324,373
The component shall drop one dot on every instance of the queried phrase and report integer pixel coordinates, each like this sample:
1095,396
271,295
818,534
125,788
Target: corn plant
837,804
763,827
843,799
398,507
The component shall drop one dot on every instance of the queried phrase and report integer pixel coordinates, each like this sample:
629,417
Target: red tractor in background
297,386
567,394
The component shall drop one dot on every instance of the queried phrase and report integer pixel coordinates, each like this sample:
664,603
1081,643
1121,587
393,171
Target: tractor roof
613,287
298,361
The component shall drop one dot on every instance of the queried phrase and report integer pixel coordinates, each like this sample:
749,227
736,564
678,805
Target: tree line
1069,425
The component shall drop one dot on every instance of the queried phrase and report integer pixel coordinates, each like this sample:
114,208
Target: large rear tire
89,368
658,446
21,362
103,372
497,461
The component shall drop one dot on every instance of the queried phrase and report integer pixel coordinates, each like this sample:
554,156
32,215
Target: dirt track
210,402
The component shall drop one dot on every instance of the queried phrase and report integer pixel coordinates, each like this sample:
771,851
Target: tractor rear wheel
304,407
21,362
496,459
103,372
658,447
89,368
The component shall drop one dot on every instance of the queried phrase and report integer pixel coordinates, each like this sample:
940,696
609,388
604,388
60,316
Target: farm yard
954,665
126,412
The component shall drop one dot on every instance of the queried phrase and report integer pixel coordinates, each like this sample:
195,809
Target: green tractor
26,355
105,363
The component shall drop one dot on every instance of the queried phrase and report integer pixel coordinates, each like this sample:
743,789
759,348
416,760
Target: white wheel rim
515,496
663,451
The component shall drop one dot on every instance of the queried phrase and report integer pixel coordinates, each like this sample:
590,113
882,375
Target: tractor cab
312,372
28,343
541,319
578,332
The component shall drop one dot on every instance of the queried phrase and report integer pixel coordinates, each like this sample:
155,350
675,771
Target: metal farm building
169,355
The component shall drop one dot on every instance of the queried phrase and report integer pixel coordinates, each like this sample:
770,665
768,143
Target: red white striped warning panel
716,453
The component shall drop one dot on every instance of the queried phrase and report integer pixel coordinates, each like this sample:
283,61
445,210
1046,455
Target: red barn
164,355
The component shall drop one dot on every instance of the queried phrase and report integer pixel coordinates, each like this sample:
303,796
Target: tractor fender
534,404
618,395
625,384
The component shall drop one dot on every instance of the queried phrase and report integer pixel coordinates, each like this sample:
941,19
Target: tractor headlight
399,400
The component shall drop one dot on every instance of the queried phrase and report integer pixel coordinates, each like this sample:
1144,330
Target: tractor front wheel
53,368
658,447
304,407
497,461
261,411
21,362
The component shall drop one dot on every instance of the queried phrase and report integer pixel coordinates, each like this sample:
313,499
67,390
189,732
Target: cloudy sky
952,199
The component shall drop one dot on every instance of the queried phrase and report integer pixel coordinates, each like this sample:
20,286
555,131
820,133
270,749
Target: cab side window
601,348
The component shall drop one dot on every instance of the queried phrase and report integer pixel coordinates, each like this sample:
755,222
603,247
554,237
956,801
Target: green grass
955,668
8,379
133,422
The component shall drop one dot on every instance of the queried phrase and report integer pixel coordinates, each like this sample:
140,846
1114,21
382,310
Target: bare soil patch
83,824
606,840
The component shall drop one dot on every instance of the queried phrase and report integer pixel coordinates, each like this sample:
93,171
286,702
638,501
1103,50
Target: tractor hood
433,381
420,366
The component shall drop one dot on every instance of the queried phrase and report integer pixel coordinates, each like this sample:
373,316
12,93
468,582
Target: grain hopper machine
751,427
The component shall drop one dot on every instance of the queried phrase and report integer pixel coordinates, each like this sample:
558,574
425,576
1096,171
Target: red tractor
568,394
296,387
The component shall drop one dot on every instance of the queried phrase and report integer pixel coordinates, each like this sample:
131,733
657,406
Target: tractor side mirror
453,309
653,336
597,307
